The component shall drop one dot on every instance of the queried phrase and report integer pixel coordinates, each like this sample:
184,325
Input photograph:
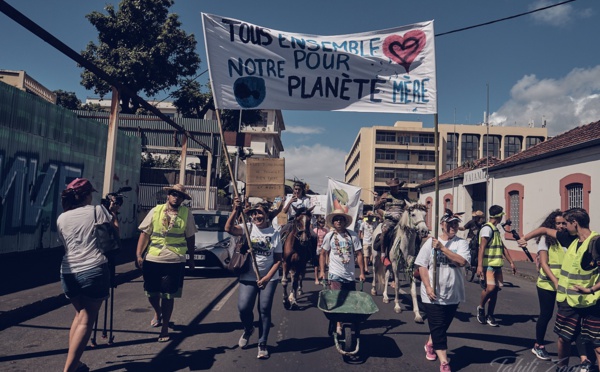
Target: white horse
402,255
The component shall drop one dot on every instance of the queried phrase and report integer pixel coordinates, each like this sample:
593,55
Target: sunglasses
176,194
338,219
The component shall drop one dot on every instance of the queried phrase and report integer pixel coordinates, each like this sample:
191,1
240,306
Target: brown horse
298,248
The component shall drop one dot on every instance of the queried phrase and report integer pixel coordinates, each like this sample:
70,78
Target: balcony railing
151,194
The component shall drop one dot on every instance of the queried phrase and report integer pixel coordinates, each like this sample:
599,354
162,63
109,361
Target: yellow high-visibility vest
571,273
174,239
492,255
556,254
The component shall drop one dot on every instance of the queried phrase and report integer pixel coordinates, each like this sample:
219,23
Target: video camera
117,196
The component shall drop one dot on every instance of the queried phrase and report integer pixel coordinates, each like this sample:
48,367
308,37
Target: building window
427,156
429,204
575,191
419,176
532,141
491,146
423,138
385,137
512,145
403,139
513,197
452,151
448,203
470,148
402,155
385,155
575,195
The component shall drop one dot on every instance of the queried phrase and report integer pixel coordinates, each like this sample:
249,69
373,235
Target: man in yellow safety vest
170,230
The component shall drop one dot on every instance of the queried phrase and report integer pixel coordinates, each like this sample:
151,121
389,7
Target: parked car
212,242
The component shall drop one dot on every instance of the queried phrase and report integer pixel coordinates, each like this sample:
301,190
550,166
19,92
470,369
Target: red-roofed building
555,174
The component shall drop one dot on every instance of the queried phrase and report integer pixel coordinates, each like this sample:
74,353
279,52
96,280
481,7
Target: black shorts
163,279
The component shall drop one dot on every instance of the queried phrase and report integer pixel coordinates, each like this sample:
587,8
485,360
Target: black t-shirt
587,262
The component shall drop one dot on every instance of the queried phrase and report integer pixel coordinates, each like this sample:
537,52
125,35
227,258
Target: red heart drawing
404,50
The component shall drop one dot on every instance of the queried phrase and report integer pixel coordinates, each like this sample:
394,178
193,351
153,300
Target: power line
505,18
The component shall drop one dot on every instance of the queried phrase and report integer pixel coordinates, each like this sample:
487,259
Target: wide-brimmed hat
394,182
81,186
258,204
477,214
338,212
180,189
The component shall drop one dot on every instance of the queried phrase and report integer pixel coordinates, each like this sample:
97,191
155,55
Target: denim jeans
247,294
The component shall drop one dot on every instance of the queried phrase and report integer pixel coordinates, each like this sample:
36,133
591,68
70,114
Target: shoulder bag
239,262
107,239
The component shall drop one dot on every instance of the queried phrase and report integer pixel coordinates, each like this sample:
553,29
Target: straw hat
394,182
179,188
477,214
338,212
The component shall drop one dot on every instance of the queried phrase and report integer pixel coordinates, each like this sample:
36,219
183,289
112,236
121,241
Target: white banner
253,67
345,197
320,204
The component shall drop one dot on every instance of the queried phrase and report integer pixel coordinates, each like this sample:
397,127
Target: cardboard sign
265,178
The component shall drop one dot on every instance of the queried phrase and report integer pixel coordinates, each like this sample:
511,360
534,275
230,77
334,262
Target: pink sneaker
429,353
445,367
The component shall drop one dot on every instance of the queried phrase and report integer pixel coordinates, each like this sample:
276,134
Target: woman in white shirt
452,254
267,248
84,271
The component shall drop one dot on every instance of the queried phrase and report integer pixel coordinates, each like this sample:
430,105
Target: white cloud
314,164
297,129
558,16
564,103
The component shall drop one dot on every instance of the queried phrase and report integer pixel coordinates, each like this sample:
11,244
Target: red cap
81,186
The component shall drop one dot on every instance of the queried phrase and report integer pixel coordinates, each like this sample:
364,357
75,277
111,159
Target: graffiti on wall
30,192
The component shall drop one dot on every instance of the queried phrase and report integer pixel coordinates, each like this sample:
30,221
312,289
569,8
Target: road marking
224,299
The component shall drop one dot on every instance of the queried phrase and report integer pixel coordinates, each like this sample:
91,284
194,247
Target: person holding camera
168,233
84,272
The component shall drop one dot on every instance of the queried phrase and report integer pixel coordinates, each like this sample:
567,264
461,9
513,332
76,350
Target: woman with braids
84,271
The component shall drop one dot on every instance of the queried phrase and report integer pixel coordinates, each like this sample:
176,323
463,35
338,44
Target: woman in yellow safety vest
550,255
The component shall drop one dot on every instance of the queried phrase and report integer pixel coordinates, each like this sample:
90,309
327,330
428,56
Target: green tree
67,100
142,46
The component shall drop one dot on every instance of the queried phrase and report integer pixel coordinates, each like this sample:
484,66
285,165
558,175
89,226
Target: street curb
53,302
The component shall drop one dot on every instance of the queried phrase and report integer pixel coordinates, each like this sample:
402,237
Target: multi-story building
407,151
24,82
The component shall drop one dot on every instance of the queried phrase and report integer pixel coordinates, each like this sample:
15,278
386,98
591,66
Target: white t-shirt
367,230
265,243
486,231
76,232
341,253
543,246
451,286
304,201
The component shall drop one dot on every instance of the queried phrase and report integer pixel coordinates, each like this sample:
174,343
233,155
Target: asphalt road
206,330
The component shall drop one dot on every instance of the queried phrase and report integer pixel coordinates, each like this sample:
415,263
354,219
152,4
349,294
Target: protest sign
265,178
253,67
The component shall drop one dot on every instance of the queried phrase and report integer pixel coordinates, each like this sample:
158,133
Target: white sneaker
263,353
243,342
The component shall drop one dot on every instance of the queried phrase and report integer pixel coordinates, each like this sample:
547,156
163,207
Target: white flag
345,197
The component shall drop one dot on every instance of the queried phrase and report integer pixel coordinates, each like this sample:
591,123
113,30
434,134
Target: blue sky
542,65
